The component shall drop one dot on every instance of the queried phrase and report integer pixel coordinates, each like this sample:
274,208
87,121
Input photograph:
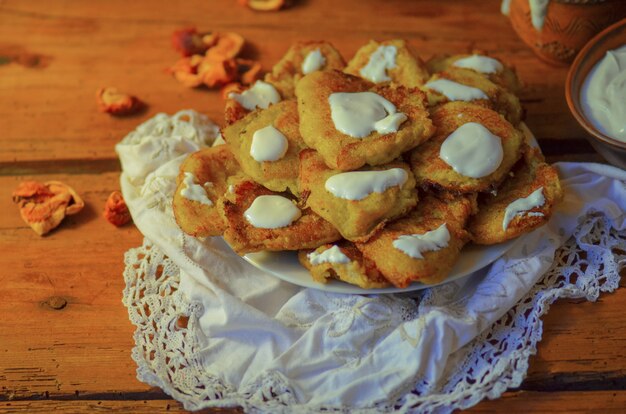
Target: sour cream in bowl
596,92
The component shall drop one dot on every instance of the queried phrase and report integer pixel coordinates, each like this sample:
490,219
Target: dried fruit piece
217,66
185,71
228,46
114,102
249,71
216,73
44,206
265,5
189,42
115,210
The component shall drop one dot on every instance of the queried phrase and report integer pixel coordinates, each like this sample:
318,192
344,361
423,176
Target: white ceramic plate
285,265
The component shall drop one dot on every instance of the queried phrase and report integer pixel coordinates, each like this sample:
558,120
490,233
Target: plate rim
337,286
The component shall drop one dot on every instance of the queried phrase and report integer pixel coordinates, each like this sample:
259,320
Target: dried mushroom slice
44,206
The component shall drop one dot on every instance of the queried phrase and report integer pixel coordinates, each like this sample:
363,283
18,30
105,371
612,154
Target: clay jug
567,25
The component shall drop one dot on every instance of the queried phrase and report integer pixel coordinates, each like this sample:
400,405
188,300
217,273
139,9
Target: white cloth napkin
319,349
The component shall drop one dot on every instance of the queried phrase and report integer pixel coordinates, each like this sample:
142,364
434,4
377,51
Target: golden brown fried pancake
358,271
500,99
507,78
410,71
212,165
400,268
355,219
307,232
233,110
431,170
530,174
288,71
343,152
277,175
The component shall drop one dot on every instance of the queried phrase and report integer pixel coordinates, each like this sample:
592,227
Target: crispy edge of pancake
214,165
307,232
343,152
507,77
359,271
356,220
431,171
234,111
530,174
410,70
280,175
500,99
401,269
288,71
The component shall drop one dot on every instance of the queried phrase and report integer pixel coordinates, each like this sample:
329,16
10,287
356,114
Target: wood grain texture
65,337
80,407
88,45
555,402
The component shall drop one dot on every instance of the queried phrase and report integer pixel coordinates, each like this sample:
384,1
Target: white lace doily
214,331
168,338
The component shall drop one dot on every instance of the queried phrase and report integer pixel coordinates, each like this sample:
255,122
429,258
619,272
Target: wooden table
65,337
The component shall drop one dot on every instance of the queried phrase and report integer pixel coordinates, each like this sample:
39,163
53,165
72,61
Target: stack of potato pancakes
378,172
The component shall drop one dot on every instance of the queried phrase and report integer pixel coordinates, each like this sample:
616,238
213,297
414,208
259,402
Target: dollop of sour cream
194,192
521,207
482,64
413,245
356,185
358,114
313,61
272,212
603,94
472,150
333,255
455,91
268,144
260,95
382,59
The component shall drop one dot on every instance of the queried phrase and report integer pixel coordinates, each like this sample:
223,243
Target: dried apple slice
114,102
44,206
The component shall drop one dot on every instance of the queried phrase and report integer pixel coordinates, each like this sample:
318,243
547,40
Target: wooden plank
512,402
47,347
50,109
55,352
555,402
146,406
